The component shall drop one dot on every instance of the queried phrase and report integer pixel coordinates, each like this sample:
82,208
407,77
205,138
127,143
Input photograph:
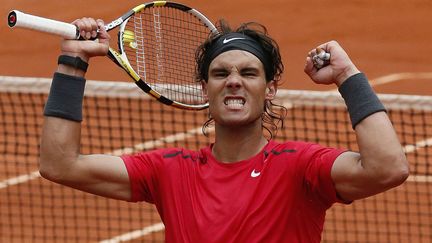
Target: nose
234,80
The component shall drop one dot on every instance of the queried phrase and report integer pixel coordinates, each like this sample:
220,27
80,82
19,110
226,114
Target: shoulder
181,154
288,151
162,154
288,146
160,161
303,150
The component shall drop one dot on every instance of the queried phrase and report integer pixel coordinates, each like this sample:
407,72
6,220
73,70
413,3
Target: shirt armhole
338,198
127,160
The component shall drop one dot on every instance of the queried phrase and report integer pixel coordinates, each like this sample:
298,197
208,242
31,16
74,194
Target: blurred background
382,37
390,41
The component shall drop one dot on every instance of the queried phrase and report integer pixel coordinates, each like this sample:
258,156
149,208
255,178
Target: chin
236,121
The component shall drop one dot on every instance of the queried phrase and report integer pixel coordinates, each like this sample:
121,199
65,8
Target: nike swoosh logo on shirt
255,174
231,39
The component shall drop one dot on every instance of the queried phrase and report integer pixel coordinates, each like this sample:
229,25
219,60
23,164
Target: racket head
157,46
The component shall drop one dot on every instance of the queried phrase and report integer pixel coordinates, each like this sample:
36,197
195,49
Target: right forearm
60,158
60,139
59,149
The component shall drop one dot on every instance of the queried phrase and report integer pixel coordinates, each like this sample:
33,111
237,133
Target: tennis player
245,187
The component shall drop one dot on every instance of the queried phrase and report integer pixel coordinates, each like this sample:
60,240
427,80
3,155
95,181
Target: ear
204,89
271,90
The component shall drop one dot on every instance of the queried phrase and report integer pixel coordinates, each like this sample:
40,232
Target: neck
237,143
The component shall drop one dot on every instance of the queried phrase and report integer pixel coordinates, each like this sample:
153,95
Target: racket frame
69,31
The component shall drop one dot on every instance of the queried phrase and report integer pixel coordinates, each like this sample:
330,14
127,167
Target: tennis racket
156,47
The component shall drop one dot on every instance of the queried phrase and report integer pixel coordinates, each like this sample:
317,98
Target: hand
89,28
337,71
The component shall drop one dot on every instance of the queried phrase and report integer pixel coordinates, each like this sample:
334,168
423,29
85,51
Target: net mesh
119,118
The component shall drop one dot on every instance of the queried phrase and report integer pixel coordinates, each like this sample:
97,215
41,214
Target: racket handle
28,21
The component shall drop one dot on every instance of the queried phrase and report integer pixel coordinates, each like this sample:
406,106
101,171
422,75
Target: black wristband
75,62
65,97
360,99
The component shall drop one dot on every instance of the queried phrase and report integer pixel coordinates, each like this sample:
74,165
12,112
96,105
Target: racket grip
22,20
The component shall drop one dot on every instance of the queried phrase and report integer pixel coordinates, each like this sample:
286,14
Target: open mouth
234,103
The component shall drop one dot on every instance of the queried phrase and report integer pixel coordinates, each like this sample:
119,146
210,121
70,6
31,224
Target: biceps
351,181
102,175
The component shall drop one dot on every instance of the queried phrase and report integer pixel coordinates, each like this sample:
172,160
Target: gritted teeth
234,101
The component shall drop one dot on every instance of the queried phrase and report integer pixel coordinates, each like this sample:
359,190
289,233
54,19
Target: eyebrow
218,69
248,69
244,69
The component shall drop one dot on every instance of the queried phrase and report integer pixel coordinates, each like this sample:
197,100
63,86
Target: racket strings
159,49
162,51
140,61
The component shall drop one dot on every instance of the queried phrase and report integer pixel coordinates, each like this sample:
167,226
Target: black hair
274,114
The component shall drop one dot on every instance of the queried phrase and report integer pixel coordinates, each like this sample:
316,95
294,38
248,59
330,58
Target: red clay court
388,40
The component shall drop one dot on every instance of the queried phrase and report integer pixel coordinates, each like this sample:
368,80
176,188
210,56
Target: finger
103,35
318,62
309,66
87,27
100,25
321,58
312,53
93,28
322,54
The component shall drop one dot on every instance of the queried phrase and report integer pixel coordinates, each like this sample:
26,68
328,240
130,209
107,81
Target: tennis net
119,119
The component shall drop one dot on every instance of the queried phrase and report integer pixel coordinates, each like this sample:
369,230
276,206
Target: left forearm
381,154
382,162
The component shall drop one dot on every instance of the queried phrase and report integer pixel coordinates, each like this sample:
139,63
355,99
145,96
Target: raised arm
381,163
60,158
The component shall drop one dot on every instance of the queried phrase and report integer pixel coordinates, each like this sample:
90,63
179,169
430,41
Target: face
237,89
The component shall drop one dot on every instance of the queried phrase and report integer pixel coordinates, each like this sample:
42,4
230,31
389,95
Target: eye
219,73
249,73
